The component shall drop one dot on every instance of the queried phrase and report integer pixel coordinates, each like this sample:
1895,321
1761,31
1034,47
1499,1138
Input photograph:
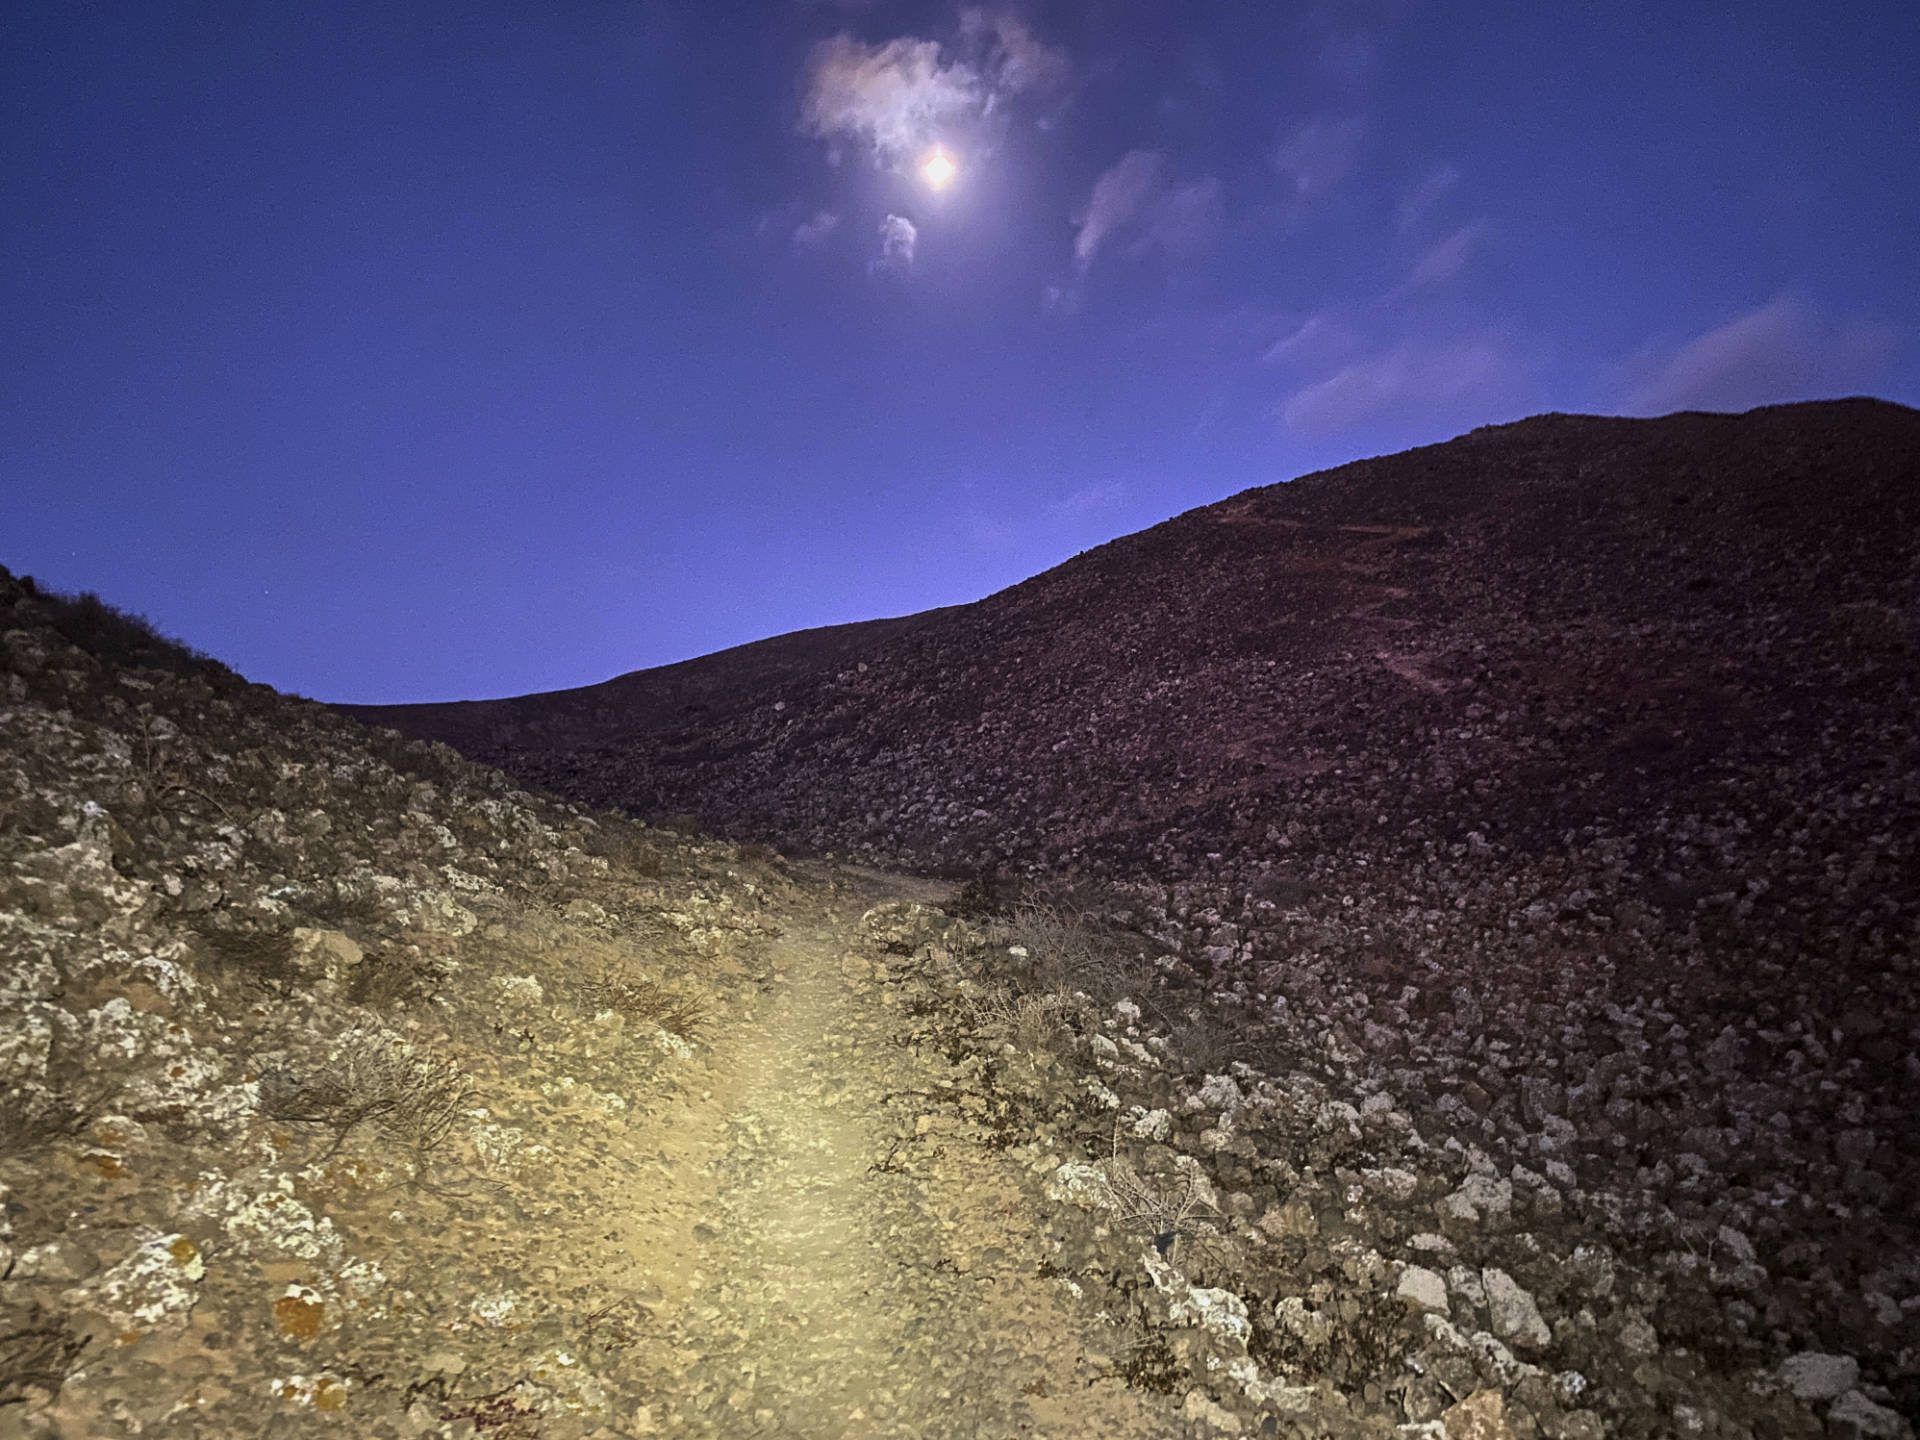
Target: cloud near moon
900,98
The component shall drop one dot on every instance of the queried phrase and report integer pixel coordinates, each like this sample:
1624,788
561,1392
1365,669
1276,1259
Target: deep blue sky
399,351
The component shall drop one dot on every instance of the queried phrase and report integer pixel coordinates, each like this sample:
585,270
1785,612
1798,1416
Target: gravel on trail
868,1268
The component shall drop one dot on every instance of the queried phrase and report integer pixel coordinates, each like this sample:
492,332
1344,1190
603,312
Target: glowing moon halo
938,170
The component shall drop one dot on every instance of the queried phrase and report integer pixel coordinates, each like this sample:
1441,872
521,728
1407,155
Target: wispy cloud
898,239
1313,344
1317,155
1186,220
1447,259
812,233
1093,496
901,97
1118,195
1013,58
1412,380
1424,198
1785,350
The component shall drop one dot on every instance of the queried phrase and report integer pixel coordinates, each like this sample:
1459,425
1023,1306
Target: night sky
408,351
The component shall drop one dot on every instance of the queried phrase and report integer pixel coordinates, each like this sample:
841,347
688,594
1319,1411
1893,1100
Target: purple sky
399,351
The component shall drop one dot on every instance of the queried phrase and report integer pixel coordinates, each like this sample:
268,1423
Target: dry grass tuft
641,1002
1070,948
32,1116
1033,1022
413,1100
36,1353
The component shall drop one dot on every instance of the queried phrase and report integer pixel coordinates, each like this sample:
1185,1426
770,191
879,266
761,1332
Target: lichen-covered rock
1516,1318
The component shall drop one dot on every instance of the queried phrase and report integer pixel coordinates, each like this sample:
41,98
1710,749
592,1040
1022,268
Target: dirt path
868,1267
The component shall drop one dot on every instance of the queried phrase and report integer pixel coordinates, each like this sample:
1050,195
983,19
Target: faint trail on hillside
844,1293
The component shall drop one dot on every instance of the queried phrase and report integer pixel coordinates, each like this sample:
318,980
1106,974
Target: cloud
895,97
1317,155
898,237
1785,350
1415,379
1093,496
813,233
1013,58
899,98
1420,202
1447,259
1186,220
1316,342
1118,196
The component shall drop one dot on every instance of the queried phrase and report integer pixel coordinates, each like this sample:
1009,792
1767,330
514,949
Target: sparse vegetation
32,1116
641,1002
37,1352
264,957
412,1099
120,637
1035,1023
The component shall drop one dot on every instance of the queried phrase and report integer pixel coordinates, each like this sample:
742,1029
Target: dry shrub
1067,947
32,1116
624,845
393,979
1201,1044
264,957
641,1002
37,1352
1181,1209
413,1100
1032,1022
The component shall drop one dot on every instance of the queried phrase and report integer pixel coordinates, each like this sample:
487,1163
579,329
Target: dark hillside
1570,766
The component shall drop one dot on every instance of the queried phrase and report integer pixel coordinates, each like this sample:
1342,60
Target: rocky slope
323,1056
1562,781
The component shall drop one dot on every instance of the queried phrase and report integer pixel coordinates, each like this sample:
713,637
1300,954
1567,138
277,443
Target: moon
938,170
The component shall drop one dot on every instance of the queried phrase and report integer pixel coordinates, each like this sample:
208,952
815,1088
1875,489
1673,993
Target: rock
586,913
1481,1416
325,954
902,927
1637,1337
1516,1318
1422,1289
1480,1198
1853,1414
1293,1219
1577,1425
1811,1375
1199,1409
1075,1182
1309,1327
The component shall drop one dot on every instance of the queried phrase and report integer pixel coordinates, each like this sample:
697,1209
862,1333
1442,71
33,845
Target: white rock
1480,1197
1078,1183
1515,1316
1813,1376
1423,1289
1199,1409
1155,1125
